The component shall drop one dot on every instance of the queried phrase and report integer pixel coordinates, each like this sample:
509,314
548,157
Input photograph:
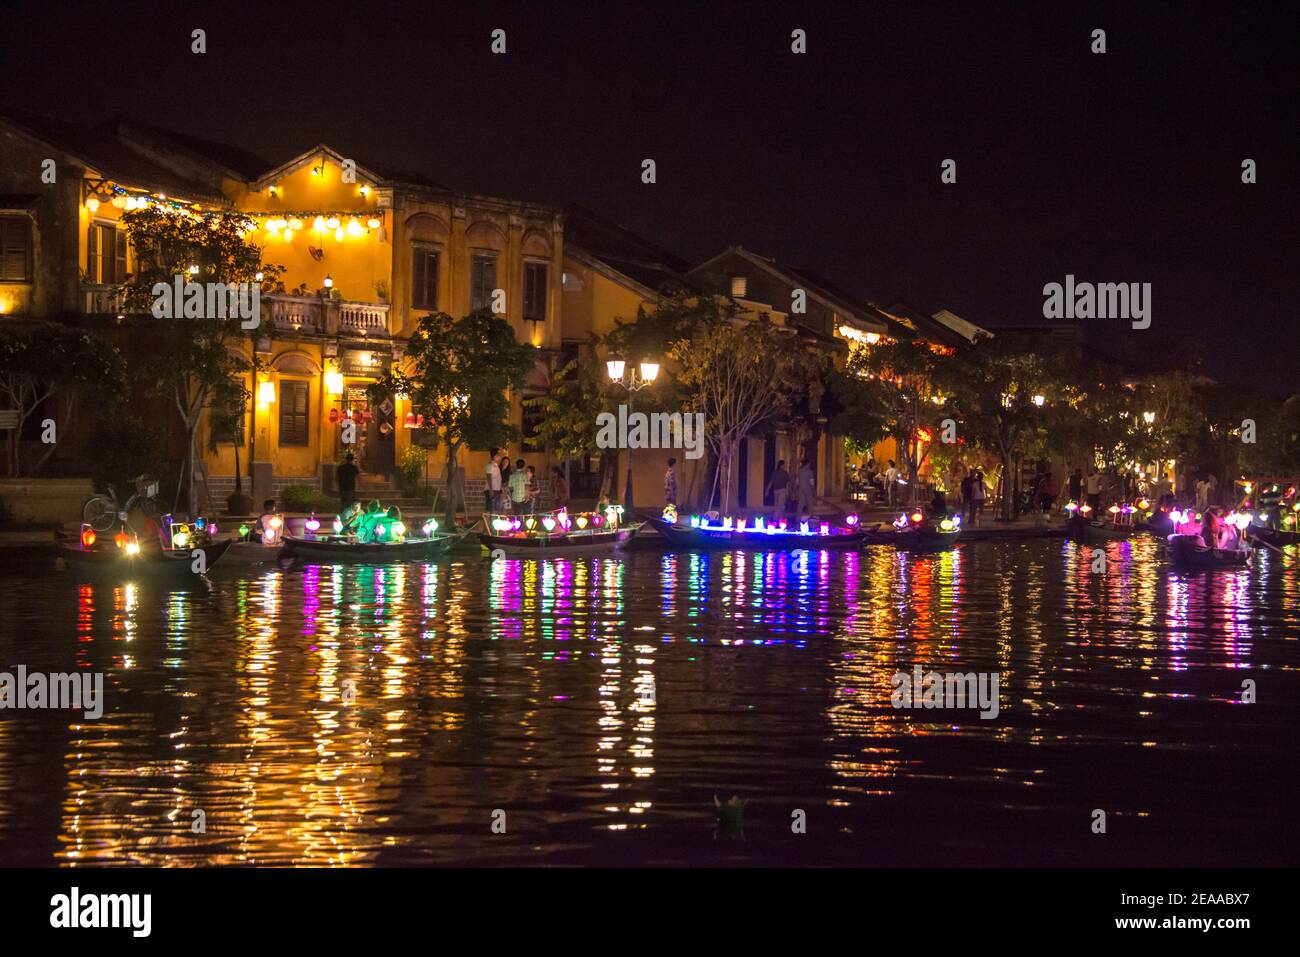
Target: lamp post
633,383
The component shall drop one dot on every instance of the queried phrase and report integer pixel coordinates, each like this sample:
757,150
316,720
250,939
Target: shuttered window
105,254
535,291
293,412
15,249
482,280
424,279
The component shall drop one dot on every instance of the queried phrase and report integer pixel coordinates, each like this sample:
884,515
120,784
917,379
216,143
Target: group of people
516,488
805,488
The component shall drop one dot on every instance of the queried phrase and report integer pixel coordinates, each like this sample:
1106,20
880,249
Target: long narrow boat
915,530
1189,553
701,534
559,532
338,549
168,564
523,545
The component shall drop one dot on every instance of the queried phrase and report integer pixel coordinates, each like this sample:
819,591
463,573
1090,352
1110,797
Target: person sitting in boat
938,505
1210,528
264,520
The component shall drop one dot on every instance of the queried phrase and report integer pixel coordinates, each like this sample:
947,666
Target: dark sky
1117,167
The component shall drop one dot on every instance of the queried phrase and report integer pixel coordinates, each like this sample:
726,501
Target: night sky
1122,167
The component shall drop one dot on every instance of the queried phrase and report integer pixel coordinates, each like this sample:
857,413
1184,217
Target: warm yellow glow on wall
266,393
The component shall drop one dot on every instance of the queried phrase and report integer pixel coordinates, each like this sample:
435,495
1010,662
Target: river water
589,711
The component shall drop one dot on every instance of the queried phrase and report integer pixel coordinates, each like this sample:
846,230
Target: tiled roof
100,148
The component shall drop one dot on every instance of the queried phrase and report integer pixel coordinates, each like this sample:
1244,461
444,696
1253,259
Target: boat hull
171,565
252,553
572,543
1090,532
925,539
686,537
1187,553
332,552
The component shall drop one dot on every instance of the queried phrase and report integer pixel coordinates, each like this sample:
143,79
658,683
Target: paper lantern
87,538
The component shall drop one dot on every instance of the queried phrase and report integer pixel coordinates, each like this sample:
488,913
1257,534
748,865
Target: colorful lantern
120,539
549,523
87,537
582,521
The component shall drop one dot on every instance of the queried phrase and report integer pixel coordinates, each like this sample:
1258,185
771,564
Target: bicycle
102,512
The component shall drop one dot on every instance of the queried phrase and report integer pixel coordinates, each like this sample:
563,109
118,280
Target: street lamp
633,383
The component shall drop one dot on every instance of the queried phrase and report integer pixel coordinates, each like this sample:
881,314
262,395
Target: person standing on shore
978,492
518,483
779,486
806,487
967,481
347,478
891,477
559,488
670,482
492,488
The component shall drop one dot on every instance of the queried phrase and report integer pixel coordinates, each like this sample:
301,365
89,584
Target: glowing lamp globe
501,524
312,524
947,525
180,539
1114,509
87,538
823,529
120,539
133,548
917,518
851,520
803,528
530,523
338,526
582,521
548,523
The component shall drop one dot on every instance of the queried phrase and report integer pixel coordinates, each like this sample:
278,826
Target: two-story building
366,251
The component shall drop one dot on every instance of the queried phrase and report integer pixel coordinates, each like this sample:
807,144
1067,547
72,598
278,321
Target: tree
900,381
567,427
194,358
460,372
52,361
993,389
742,375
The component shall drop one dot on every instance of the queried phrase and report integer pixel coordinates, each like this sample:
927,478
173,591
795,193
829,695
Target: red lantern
334,415
120,539
366,416
410,420
88,538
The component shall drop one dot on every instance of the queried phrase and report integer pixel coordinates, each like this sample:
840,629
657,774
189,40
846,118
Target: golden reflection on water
335,716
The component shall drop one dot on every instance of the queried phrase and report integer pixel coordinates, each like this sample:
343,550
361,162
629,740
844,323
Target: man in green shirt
519,488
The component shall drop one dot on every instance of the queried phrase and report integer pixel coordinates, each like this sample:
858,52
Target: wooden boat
920,531
1189,553
341,549
926,538
573,542
767,538
168,564
1082,530
252,553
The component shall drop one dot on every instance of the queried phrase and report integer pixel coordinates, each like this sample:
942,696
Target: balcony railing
296,313
317,316
364,318
100,299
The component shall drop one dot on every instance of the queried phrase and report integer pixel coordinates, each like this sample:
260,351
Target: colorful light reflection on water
378,715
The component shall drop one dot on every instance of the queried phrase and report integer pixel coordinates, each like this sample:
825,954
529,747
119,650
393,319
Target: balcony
99,299
314,315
